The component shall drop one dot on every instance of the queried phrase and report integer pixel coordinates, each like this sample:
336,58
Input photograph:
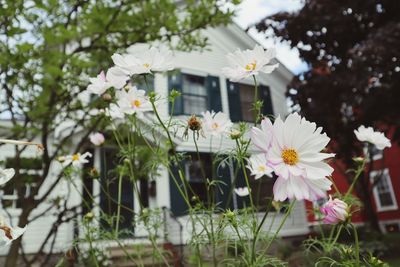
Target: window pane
195,176
194,85
194,104
384,190
246,102
386,199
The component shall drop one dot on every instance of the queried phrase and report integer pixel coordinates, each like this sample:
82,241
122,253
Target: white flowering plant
290,152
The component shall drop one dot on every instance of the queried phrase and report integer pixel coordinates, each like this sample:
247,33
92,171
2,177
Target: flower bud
335,211
94,173
88,216
106,97
235,134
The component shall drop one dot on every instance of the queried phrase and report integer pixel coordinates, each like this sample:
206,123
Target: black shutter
223,174
265,94
178,204
214,93
235,110
175,82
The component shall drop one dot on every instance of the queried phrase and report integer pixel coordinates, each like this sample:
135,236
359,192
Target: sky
252,11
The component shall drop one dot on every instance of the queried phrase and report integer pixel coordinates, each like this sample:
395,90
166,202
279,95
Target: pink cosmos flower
335,211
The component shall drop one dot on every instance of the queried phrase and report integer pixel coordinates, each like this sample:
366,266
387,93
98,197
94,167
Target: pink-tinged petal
295,170
102,76
298,188
282,170
316,170
260,140
279,189
335,211
314,157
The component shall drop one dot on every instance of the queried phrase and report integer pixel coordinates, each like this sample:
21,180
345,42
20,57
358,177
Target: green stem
358,173
336,237
255,238
357,245
119,205
281,224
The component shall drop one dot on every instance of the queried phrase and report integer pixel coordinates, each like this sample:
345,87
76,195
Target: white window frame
385,175
383,225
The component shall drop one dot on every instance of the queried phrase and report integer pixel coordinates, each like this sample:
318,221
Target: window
194,174
194,94
198,93
392,227
241,99
12,195
383,190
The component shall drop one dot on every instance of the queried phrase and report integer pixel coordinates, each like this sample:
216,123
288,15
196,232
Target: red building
385,194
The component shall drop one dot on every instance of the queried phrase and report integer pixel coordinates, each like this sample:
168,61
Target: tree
47,47
352,49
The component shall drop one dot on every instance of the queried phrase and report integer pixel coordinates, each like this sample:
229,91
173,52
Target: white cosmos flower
258,166
262,138
9,234
149,60
216,123
247,63
6,175
133,101
295,156
97,139
77,159
102,82
242,191
378,139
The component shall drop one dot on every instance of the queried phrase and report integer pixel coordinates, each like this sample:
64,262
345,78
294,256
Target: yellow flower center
136,103
261,168
146,65
215,125
251,66
75,157
290,156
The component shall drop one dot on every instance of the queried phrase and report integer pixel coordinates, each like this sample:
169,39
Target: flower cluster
292,150
244,64
129,99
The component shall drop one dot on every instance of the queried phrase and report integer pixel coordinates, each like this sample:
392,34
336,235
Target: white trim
385,175
194,72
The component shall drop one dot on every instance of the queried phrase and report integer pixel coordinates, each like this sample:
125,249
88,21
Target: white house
203,87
